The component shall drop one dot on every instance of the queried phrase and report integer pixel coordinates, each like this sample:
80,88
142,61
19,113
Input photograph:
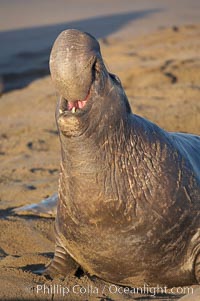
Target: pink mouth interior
78,104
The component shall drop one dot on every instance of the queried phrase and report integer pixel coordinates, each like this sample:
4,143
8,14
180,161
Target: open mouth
74,106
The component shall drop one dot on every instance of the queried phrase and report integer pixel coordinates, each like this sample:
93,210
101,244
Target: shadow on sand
25,52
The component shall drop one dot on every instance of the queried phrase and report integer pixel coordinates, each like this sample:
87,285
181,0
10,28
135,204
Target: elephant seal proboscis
129,191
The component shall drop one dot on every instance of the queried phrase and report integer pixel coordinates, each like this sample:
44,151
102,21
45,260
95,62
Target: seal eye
115,77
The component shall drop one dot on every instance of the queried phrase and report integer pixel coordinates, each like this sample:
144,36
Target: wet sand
160,73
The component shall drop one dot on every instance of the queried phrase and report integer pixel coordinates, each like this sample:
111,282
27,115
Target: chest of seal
129,192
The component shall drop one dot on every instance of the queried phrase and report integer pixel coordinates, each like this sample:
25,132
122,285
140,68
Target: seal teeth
73,110
60,111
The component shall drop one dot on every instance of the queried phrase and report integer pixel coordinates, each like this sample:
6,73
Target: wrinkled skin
129,192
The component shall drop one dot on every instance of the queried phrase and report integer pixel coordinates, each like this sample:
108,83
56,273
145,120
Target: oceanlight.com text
58,289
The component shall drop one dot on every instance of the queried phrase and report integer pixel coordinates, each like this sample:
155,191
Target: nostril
93,71
94,65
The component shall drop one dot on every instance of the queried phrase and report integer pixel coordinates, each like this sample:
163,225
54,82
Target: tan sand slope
161,75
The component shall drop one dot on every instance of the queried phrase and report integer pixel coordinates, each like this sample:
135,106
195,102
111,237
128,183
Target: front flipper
46,208
61,265
197,268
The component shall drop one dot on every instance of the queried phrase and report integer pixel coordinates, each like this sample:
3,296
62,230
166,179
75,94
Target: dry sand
160,73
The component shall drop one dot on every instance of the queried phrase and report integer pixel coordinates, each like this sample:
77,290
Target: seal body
129,192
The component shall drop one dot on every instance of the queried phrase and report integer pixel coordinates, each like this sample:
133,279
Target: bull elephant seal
129,192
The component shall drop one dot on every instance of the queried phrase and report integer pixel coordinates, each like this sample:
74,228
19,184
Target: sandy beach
159,66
